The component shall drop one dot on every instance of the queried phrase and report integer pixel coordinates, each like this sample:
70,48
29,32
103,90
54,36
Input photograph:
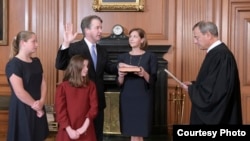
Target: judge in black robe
215,95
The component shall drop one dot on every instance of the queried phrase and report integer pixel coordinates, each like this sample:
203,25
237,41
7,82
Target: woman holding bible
137,83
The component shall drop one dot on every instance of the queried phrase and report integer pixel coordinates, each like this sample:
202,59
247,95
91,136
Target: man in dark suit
91,28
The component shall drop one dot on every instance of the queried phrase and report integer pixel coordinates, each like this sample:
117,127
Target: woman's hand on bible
121,74
141,73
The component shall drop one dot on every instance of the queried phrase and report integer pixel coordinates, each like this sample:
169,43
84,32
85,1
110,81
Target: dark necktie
93,55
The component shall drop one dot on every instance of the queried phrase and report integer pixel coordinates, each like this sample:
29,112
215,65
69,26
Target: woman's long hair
74,70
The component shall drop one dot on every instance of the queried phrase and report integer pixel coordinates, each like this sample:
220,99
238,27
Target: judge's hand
185,85
73,134
68,35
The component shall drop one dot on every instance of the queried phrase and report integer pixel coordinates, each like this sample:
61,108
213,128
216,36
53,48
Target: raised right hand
68,35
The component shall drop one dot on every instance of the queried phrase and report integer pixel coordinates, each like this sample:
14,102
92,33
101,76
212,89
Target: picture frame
118,5
3,22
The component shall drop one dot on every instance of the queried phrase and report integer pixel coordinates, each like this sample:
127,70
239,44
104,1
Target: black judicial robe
215,95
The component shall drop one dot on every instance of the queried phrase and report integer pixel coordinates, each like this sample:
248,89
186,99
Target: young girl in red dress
76,103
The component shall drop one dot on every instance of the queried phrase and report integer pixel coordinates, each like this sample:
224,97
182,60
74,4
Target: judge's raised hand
68,35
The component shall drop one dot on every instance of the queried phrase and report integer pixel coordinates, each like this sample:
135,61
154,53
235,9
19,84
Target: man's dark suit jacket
103,65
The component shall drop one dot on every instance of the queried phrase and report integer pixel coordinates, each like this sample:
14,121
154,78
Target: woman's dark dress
136,96
24,125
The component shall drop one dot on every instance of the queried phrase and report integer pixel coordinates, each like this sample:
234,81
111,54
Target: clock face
117,29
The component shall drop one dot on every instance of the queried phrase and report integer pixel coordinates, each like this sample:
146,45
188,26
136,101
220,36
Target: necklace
139,61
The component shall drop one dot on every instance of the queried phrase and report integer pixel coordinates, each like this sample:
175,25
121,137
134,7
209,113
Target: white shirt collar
214,45
89,44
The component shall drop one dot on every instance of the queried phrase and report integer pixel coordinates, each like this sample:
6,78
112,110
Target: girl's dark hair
21,36
142,34
73,72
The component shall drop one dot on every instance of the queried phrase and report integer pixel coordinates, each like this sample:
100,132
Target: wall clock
117,29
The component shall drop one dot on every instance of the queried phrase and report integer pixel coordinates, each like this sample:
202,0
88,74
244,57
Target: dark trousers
98,123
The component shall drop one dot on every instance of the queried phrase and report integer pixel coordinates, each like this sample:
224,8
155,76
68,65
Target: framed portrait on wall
3,22
118,5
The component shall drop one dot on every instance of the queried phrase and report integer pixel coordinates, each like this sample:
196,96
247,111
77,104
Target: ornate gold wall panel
111,113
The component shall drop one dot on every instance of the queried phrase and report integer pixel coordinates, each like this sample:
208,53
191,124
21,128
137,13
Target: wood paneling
153,12
5,90
14,26
44,22
3,124
189,57
239,43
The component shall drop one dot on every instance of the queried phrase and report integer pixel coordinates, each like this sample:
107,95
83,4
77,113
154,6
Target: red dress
73,105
